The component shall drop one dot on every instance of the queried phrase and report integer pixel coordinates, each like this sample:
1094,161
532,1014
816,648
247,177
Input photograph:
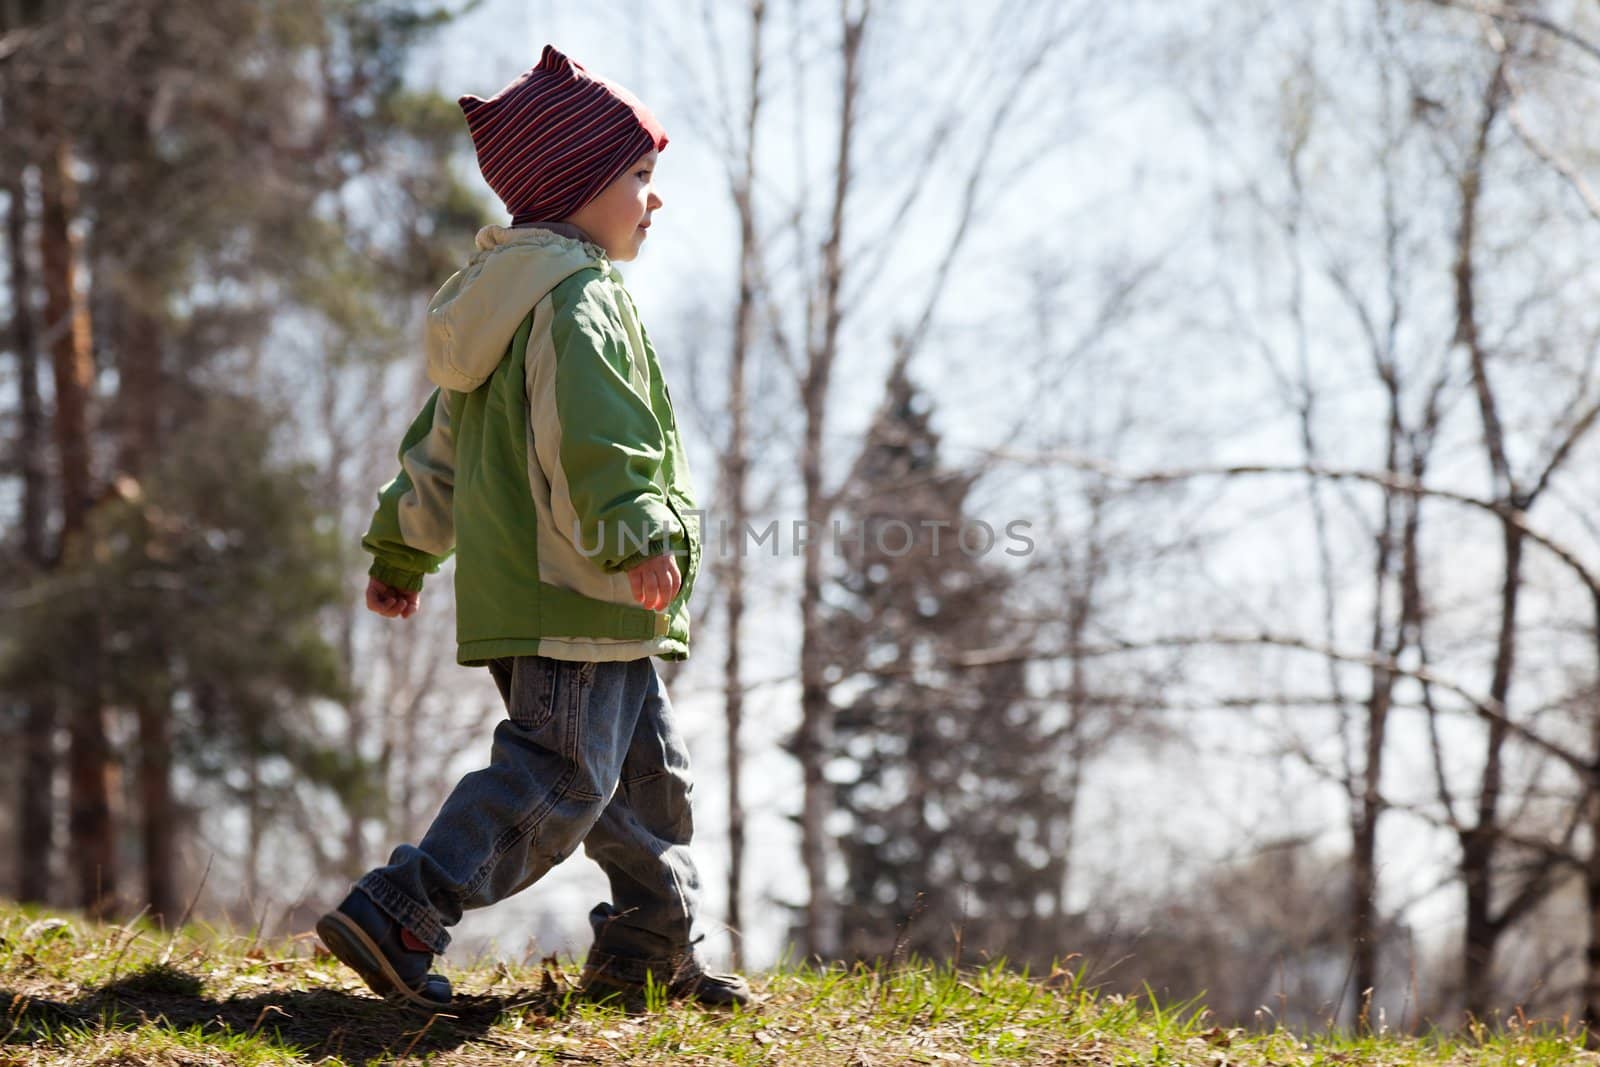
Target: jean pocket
541,686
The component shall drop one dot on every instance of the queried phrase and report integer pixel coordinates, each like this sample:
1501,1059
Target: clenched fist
390,602
656,581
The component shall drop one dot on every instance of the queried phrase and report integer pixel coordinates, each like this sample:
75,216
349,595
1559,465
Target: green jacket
548,459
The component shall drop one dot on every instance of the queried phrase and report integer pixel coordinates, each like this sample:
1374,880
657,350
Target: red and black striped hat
549,142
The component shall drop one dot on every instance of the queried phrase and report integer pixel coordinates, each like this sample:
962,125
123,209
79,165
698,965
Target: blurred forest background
1277,326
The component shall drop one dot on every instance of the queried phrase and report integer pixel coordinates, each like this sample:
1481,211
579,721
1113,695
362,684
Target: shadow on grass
310,1022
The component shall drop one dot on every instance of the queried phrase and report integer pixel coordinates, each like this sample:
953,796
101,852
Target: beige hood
474,315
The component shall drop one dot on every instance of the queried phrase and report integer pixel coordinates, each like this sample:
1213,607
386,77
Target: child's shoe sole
346,940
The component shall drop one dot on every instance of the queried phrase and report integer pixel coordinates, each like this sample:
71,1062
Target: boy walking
548,460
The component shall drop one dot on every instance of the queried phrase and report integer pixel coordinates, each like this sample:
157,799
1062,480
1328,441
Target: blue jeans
588,752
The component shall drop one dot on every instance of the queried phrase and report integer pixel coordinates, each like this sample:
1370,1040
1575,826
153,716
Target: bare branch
982,159
1485,707
1561,165
1500,510
1502,13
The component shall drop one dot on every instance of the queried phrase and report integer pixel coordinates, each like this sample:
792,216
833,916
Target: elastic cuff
407,581
423,924
656,547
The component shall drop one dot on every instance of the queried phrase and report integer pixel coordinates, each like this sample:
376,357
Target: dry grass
71,993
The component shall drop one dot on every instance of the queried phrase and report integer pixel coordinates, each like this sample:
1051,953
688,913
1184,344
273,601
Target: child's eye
645,175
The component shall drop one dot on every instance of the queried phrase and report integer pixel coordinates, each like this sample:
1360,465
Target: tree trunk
816,711
358,729
1366,802
35,806
1482,932
816,727
1478,841
1083,602
1364,891
30,410
139,392
356,806
140,399
253,826
160,814
93,840
67,328
734,476
1591,975
733,695
1591,972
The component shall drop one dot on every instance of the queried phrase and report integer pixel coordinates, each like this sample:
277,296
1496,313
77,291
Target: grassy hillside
125,996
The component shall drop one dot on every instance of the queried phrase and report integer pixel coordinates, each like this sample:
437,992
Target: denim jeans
588,752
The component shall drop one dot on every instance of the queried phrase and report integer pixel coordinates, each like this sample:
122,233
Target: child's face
616,219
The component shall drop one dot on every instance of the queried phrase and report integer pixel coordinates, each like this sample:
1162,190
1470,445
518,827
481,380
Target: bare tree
827,296
812,267
1405,439
1373,261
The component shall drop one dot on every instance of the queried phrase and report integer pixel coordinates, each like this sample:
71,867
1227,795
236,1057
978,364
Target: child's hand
655,581
390,602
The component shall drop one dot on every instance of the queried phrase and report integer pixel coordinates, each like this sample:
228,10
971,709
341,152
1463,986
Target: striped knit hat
552,140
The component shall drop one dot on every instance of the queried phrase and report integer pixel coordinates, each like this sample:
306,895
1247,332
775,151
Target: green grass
124,996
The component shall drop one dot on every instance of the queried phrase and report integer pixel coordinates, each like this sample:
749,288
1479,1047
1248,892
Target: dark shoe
623,983
388,958
712,990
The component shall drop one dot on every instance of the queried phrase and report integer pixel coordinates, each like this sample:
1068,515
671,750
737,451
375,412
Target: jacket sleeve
598,440
413,530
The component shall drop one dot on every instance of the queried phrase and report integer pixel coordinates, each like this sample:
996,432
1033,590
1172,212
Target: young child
548,459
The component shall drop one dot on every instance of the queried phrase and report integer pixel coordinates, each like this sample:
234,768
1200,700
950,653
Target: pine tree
941,771
201,221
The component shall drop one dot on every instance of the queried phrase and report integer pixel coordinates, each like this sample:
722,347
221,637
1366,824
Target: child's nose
655,201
